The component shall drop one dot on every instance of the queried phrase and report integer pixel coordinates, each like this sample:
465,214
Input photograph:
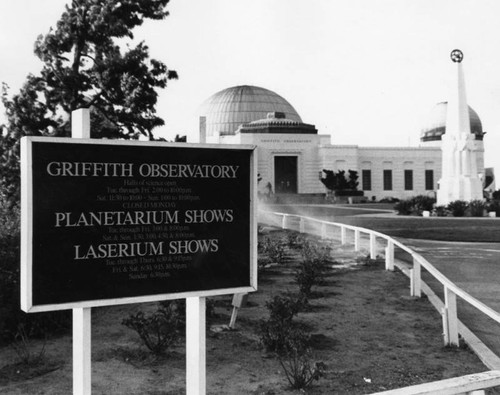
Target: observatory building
292,153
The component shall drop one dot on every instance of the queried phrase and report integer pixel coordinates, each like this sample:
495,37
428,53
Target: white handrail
449,285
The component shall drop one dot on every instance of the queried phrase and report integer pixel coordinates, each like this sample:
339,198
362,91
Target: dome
436,123
226,110
277,123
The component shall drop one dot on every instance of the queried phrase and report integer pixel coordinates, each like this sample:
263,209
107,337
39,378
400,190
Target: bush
274,249
457,208
495,206
403,207
477,208
422,203
311,251
279,333
415,205
294,239
25,350
299,370
158,331
179,305
441,211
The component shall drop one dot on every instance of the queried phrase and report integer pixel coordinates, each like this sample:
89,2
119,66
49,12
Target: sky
367,72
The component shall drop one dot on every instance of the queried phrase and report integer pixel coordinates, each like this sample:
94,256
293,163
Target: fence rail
450,290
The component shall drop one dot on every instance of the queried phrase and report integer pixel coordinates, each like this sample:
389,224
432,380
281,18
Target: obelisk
459,179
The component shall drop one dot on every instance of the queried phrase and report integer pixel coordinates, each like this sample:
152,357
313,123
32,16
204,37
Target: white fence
353,234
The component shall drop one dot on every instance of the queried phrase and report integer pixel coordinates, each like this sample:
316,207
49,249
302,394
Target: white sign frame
27,227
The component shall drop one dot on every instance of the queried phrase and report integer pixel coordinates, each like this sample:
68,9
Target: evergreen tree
88,61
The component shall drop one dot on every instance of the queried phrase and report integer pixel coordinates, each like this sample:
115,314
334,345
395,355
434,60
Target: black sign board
119,222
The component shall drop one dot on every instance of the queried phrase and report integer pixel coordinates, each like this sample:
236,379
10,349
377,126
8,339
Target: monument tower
460,179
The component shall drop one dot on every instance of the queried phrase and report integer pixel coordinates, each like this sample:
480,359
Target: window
408,180
429,180
366,180
387,180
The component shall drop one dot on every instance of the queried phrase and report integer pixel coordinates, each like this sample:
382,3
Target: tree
88,61
338,182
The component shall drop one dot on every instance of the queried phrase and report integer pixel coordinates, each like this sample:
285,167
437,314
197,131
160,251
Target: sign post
195,346
108,222
82,323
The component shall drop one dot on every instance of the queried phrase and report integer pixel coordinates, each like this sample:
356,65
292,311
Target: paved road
473,266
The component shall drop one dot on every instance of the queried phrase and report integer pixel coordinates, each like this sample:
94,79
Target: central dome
226,110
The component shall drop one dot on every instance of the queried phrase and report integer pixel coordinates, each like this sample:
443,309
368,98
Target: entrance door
285,174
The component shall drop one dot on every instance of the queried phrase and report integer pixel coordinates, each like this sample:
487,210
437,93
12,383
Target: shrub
441,211
294,239
477,208
309,273
311,251
299,370
274,249
422,203
403,207
25,350
495,206
279,333
415,205
179,306
457,208
157,331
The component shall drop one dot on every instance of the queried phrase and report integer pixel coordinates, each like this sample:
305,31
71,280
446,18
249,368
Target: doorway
285,174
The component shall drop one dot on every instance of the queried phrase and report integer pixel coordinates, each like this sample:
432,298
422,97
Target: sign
112,222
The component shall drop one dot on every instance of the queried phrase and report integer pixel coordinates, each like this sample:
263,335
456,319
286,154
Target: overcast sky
367,72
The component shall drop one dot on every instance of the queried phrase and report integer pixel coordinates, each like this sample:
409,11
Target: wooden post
82,329
283,222
416,280
446,332
323,231
357,240
373,246
343,235
450,303
82,380
195,346
80,124
389,256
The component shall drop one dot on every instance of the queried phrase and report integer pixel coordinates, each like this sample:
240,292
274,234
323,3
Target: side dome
226,110
436,124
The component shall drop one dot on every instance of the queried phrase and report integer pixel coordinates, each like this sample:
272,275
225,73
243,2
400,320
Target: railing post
302,225
416,280
283,222
343,235
323,231
389,256
357,240
451,327
373,246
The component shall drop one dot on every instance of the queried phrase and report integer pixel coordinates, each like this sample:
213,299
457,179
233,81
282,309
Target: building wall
304,146
314,153
378,159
